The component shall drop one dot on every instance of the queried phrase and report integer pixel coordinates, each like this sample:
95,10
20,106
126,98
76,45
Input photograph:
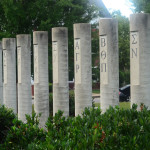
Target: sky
123,5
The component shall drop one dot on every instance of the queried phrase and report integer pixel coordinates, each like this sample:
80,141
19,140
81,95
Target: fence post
109,64
60,70
1,77
41,83
24,75
9,70
140,58
82,67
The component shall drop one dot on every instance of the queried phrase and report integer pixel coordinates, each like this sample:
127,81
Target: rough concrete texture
9,72
140,58
60,70
24,75
41,83
1,79
82,67
109,63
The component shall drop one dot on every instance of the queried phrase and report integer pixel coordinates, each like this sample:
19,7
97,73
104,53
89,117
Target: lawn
97,91
124,105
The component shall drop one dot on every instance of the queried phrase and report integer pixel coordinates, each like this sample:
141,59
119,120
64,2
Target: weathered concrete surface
24,75
41,83
140,58
9,70
109,63
82,67
1,78
60,70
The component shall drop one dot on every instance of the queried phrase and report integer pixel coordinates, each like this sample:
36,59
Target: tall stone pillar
82,67
109,63
1,72
60,70
24,75
140,58
9,71
41,83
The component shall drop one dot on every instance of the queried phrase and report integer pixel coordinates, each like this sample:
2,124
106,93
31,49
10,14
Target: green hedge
6,121
50,87
115,129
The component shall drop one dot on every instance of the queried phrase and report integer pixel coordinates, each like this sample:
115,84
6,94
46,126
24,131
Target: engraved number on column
77,55
5,65
55,61
19,64
103,59
36,64
134,54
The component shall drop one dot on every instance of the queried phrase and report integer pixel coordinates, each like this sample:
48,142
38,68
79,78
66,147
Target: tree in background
141,6
138,6
124,48
26,16
95,53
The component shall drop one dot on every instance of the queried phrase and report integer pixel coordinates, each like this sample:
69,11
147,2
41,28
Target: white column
140,58
24,75
1,78
109,63
41,83
9,70
60,70
82,67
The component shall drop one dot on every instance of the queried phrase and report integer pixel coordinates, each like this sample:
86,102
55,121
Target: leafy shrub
6,121
50,87
124,77
115,129
22,135
71,103
51,104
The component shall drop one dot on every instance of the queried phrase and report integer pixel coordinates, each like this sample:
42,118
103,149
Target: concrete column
1,80
140,58
109,63
82,67
41,83
60,70
9,71
24,75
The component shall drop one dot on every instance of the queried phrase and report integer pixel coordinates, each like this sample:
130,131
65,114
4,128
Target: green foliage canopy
124,48
141,5
26,16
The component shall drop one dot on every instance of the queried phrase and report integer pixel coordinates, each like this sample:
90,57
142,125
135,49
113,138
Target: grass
124,105
97,91
71,91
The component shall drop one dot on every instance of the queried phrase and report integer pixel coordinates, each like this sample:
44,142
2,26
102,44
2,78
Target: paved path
96,100
96,97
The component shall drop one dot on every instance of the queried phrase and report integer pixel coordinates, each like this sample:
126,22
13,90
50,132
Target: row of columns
109,68
60,70
1,76
9,72
41,83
